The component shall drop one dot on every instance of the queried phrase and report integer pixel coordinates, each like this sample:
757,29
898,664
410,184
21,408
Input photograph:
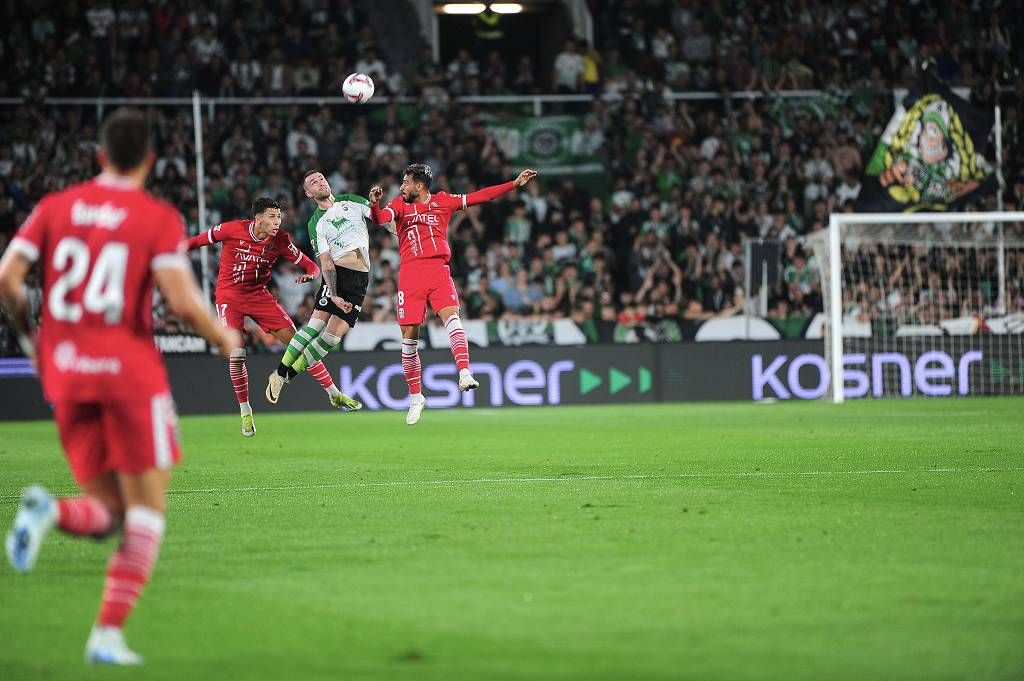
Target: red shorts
419,284
127,437
259,306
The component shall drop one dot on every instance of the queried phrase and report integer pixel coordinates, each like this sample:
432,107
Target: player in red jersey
101,246
251,247
421,219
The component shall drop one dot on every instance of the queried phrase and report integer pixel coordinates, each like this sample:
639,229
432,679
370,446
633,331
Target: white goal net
923,304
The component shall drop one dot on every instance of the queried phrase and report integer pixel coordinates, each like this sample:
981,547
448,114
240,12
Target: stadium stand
657,253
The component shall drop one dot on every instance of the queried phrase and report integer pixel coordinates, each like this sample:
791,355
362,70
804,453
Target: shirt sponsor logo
105,216
67,360
426,218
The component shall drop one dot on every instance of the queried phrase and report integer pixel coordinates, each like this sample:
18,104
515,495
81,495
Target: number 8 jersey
97,245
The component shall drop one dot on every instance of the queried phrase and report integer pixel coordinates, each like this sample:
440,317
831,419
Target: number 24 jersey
98,244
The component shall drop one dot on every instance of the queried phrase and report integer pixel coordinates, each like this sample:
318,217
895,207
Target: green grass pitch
877,540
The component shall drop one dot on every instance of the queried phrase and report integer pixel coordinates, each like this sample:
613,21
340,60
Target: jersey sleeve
395,209
456,202
287,247
31,237
168,245
210,236
322,244
362,202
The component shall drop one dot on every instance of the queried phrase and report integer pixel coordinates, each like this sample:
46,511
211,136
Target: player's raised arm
490,193
310,269
210,236
380,216
302,260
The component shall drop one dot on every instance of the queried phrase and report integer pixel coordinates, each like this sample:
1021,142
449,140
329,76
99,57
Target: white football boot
416,404
275,383
106,645
466,381
37,514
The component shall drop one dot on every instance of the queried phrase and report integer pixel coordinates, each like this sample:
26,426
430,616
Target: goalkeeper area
882,539
919,299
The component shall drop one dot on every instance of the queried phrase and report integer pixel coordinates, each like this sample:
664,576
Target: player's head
126,145
316,185
267,213
416,182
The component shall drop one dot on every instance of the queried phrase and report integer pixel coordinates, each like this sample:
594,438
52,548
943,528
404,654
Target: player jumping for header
251,247
337,232
421,221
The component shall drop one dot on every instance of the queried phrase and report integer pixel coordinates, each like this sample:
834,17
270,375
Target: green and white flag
932,155
548,143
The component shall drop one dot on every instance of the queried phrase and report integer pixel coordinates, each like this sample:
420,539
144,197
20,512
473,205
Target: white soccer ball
358,88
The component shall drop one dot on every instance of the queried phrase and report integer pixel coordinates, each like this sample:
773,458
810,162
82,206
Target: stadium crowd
657,252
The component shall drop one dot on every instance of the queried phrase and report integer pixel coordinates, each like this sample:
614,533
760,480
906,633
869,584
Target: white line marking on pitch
565,478
581,478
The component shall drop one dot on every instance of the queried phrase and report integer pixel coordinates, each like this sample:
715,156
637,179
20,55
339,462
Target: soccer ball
357,88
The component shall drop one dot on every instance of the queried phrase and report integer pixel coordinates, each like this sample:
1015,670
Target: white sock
245,408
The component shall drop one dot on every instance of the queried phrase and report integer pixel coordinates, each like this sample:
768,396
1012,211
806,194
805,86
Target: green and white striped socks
299,342
315,351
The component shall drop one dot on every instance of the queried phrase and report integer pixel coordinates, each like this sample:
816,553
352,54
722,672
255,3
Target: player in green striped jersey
338,234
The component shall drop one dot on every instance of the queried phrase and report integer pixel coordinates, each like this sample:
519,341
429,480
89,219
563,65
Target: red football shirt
245,261
422,228
98,244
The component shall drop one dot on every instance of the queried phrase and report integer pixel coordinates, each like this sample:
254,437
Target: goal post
922,303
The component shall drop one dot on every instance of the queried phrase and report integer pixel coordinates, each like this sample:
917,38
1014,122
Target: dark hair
420,172
308,173
263,203
125,138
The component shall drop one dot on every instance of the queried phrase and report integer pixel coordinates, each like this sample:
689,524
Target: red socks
131,564
457,338
83,516
411,364
239,378
321,374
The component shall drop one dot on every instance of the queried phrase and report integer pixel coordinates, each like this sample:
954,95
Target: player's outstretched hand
376,193
342,304
230,339
303,278
525,177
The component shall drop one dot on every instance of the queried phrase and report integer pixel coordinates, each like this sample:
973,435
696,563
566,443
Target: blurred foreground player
421,222
101,246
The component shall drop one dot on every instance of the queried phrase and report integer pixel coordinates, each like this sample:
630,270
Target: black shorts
351,286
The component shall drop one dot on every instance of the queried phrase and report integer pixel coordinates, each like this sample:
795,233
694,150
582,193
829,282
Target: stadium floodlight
463,8
506,7
921,304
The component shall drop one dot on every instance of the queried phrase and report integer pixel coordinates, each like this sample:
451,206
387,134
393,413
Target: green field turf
877,540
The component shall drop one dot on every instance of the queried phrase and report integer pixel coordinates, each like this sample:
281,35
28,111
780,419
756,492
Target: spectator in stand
569,67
